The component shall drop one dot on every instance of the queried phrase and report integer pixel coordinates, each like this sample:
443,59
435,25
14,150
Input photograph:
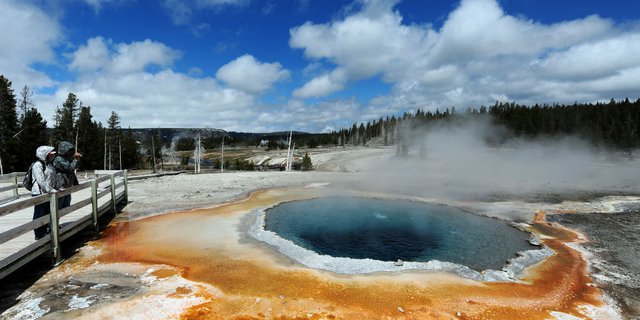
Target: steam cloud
458,160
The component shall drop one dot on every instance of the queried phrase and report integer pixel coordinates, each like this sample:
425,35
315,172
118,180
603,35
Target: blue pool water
389,230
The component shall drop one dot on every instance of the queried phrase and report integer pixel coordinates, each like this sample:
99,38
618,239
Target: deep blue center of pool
389,230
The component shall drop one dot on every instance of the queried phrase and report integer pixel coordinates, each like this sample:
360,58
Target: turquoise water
389,230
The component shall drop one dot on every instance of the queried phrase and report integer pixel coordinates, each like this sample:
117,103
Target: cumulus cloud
480,29
138,55
298,115
134,57
165,99
115,76
363,44
323,85
480,54
29,36
91,57
247,74
594,59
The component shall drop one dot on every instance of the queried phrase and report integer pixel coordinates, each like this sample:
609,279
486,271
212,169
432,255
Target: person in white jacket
44,181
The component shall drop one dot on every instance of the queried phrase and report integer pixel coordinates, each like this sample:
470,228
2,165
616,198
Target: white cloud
163,99
341,113
247,74
480,29
313,69
101,55
323,85
363,44
138,55
91,57
479,54
29,36
594,59
113,76
314,117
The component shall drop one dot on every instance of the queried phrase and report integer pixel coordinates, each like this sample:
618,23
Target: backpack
27,181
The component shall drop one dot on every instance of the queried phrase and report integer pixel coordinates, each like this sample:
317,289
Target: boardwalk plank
17,245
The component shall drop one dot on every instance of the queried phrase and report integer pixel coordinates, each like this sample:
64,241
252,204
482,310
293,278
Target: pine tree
90,138
33,134
130,154
65,118
306,162
9,128
114,142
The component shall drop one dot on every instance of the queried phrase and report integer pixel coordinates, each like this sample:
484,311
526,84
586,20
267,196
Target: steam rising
463,160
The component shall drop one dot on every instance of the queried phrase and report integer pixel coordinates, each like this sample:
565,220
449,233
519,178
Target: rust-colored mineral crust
253,282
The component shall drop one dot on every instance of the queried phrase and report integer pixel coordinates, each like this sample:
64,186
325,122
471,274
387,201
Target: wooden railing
89,205
14,180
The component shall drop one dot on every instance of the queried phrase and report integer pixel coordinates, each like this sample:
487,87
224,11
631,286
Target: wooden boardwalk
90,200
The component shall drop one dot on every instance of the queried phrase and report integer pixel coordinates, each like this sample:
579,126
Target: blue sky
314,65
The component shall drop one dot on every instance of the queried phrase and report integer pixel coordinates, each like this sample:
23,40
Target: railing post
94,203
126,187
15,183
55,230
113,192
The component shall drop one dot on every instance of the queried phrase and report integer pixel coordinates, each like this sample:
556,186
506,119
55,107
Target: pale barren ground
186,191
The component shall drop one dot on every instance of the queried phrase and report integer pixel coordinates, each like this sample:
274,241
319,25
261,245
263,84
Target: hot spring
388,230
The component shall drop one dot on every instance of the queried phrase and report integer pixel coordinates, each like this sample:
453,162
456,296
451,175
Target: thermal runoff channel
388,230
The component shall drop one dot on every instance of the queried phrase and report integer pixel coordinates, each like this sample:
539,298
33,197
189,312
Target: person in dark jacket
66,163
44,181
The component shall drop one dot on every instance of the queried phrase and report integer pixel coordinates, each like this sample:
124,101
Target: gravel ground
615,244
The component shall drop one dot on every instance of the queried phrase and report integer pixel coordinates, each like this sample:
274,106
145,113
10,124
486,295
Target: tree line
614,124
